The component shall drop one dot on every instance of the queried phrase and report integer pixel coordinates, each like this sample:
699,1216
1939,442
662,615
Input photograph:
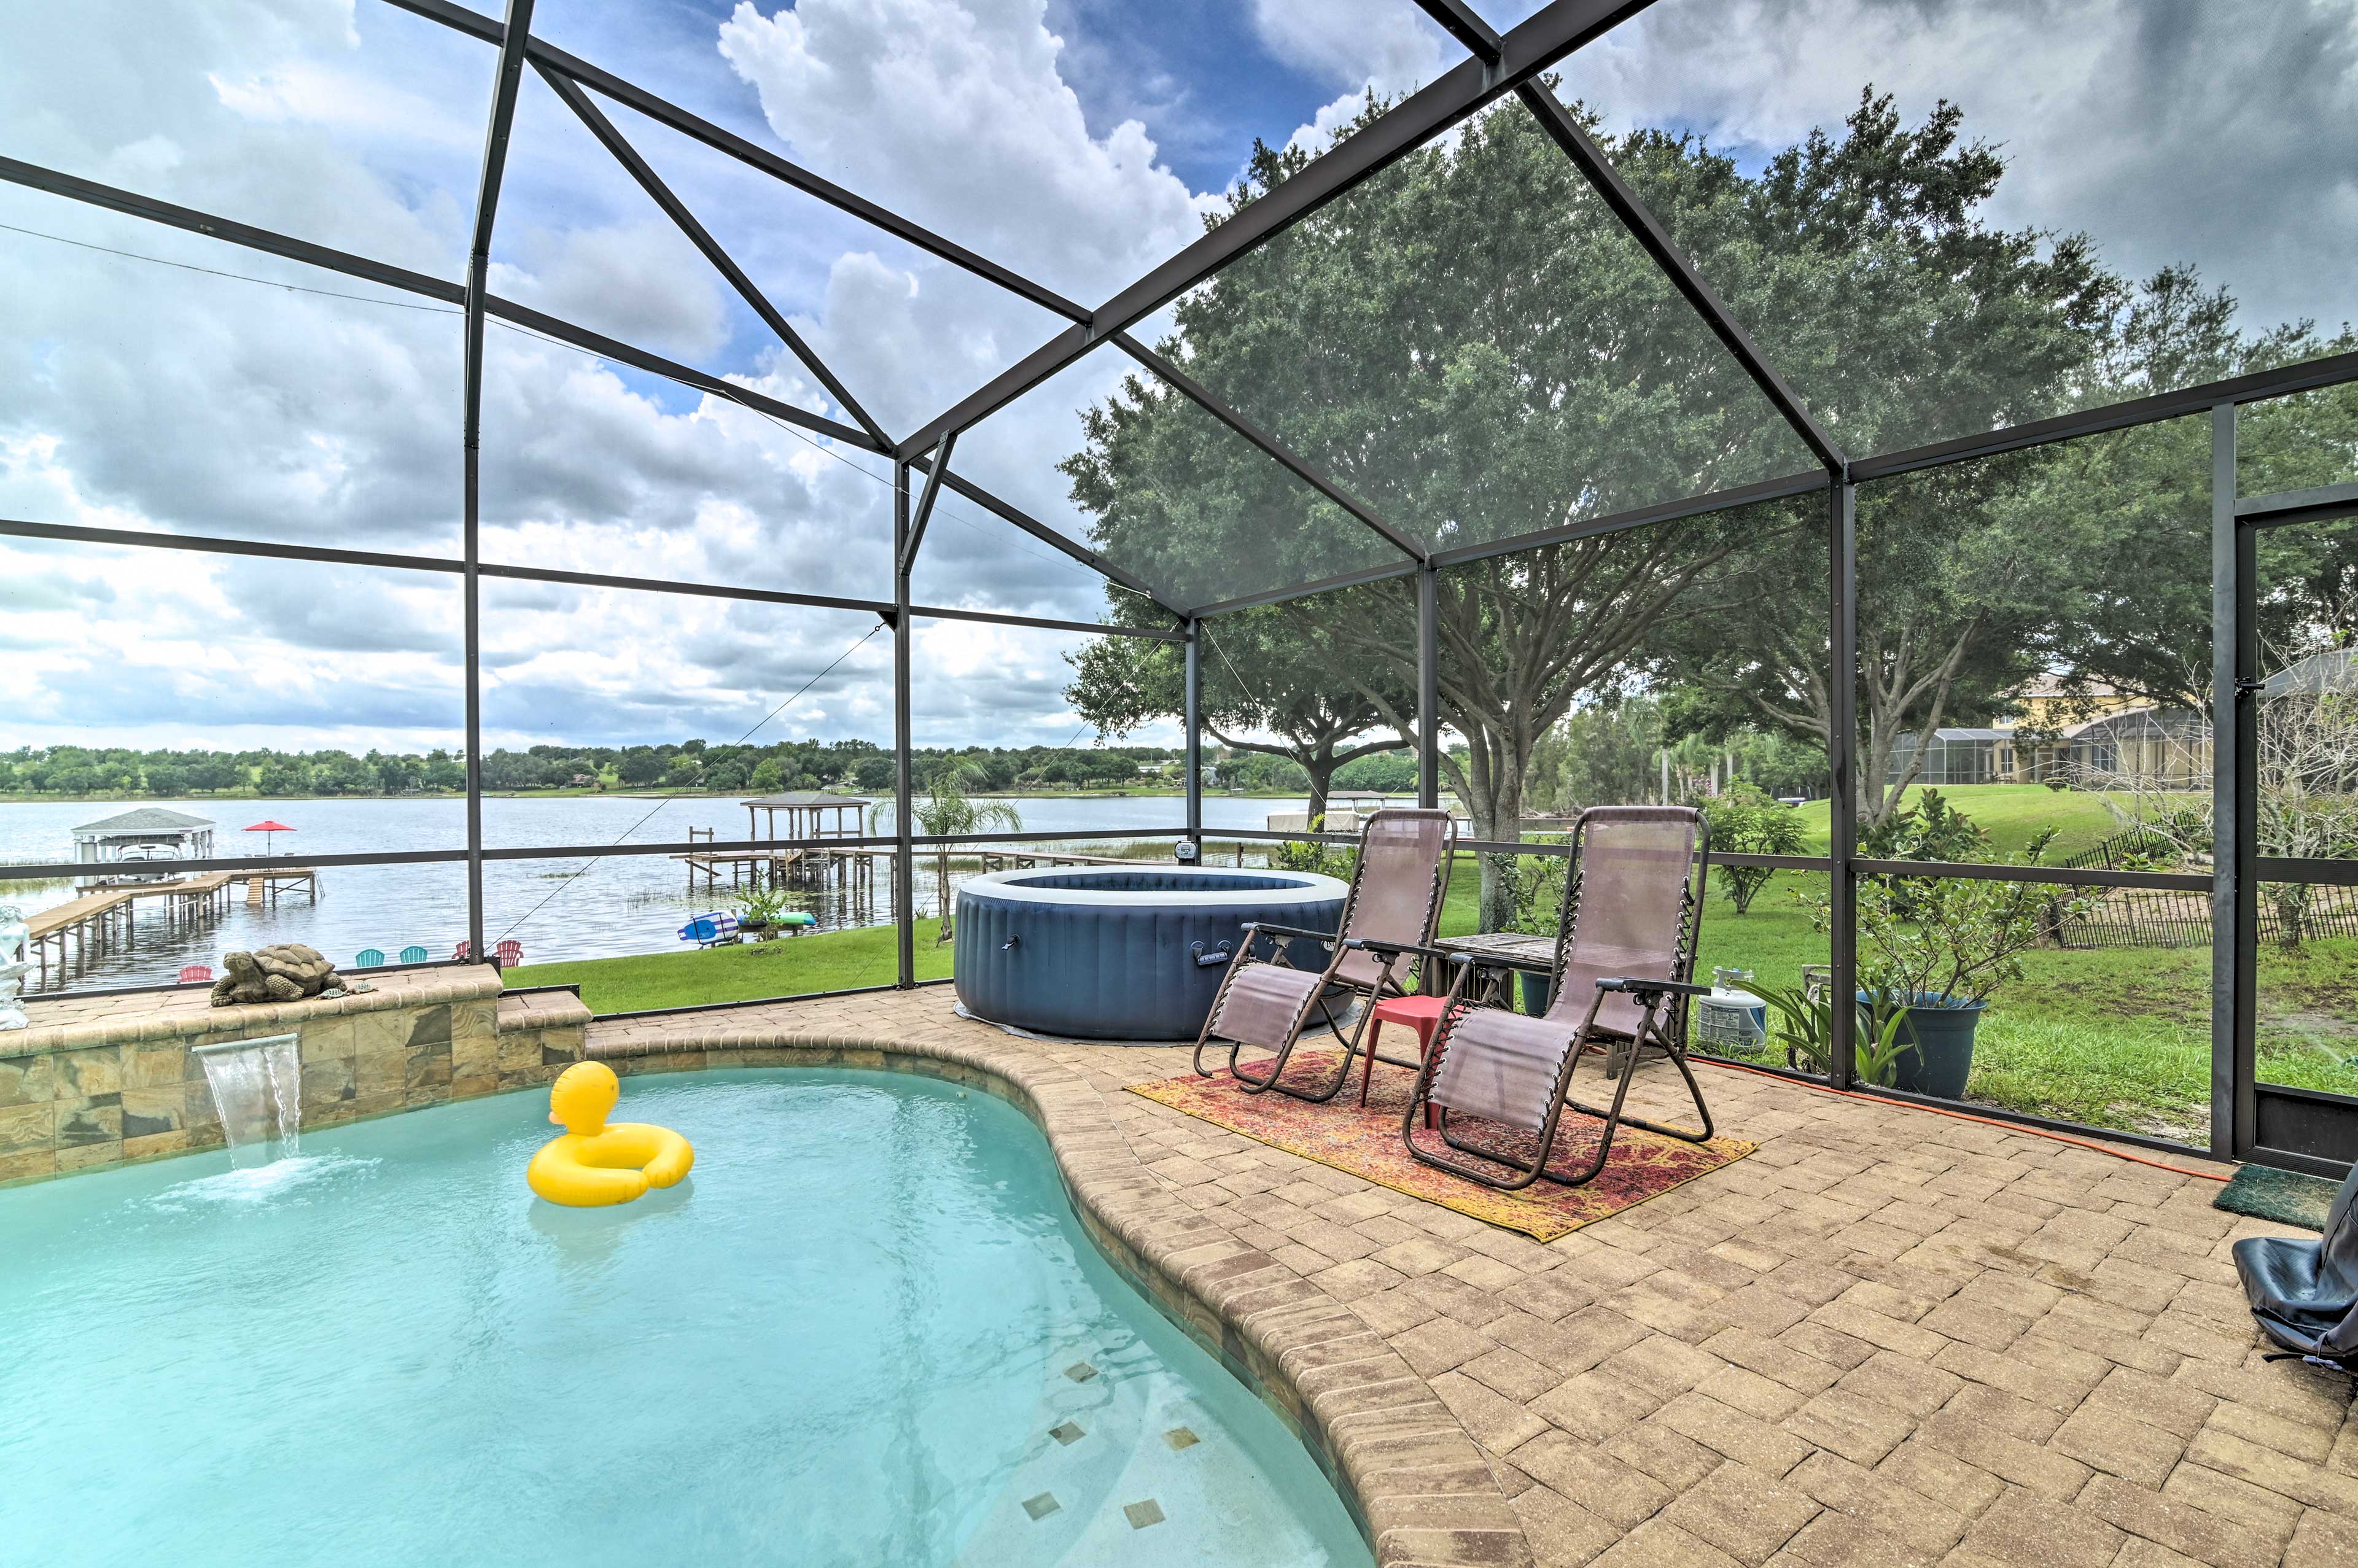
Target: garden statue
16,954
289,971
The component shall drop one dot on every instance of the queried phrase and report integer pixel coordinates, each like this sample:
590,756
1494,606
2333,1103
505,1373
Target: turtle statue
289,971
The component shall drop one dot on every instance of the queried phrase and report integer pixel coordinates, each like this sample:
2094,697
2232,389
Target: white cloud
2225,135
955,116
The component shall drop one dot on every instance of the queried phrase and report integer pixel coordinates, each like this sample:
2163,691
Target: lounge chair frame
1662,1024
1397,960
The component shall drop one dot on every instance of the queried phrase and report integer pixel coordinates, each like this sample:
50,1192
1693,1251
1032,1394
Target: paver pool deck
1889,1337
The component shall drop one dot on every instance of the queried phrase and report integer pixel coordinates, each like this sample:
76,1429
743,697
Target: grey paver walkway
1889,1337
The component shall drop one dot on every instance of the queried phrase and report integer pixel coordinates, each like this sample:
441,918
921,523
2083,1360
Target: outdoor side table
1419,1012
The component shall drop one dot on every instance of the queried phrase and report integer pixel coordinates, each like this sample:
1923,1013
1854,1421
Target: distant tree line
695,764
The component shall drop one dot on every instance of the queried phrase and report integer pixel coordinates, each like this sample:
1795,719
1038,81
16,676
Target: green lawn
791,965
2009,813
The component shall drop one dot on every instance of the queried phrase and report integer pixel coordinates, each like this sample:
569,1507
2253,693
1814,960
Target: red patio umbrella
270,826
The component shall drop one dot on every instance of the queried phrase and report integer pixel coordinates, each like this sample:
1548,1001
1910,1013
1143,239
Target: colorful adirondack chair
368,957
414,954
509,953
460,951
192,973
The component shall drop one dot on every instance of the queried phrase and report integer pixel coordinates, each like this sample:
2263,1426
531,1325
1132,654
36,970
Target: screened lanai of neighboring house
1533,387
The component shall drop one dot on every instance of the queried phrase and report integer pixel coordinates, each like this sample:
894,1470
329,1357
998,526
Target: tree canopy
1471,346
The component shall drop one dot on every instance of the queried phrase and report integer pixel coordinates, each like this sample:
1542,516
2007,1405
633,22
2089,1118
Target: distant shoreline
22,798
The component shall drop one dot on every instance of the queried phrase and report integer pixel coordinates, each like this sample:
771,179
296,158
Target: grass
2009,813
793,966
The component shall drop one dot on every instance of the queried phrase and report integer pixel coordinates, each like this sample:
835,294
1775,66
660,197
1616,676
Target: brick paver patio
1889,1337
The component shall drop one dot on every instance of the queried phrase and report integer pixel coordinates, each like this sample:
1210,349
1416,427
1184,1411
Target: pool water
866,1331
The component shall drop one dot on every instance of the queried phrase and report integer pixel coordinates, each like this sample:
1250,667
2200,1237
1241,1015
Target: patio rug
1368,1144
2287,1197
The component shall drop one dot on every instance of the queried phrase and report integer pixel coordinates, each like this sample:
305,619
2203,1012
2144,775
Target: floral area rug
1367,1142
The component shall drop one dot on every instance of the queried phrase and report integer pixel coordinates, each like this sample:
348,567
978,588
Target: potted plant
1535,884
1932,951
758,910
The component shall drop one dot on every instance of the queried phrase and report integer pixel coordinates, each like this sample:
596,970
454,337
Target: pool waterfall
257,1087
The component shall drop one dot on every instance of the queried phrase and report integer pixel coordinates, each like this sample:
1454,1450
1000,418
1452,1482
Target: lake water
577,907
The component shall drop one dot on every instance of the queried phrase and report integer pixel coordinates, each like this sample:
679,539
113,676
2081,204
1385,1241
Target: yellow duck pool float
595,1166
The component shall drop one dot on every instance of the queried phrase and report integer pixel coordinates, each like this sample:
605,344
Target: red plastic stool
1422,1013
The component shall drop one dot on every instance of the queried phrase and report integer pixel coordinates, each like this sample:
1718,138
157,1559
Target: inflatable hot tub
1113,953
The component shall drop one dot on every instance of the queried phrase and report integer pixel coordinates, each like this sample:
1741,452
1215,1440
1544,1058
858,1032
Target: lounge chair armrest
1263,928
1376,944
1652,987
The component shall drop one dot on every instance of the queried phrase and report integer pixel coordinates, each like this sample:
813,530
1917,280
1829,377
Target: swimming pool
867,1330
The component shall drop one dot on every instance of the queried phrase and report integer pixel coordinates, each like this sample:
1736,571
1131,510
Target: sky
1078,141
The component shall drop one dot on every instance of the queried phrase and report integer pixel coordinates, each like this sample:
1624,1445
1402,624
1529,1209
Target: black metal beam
140,539
33,177
1790,485
2330,370
49,870
1459,21
2068,876
1046,623
2316,505
1285,456
639,169
508,81
1781,488
46,870
443,566
695,589
904,793
1007,511
1428,686
1304,590
2284,869
672,370
924,512
632,96
1842,761
2234,822
1541,41
1191,723
1656,242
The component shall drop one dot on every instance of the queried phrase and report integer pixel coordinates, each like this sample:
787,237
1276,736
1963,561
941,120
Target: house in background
2094,740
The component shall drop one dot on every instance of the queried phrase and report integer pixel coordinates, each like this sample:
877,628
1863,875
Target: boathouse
131,845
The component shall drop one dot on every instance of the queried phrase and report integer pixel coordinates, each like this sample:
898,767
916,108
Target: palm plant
948,811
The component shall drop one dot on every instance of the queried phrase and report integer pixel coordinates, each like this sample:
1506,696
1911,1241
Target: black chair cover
2305,1293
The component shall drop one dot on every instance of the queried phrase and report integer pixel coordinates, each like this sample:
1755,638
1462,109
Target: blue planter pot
1538,991
1943,1035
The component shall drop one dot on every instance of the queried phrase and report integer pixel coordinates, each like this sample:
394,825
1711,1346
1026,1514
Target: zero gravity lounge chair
1394,904
1625,948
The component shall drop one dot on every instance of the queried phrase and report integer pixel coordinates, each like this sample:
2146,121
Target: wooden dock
712,874
709,871
106,918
